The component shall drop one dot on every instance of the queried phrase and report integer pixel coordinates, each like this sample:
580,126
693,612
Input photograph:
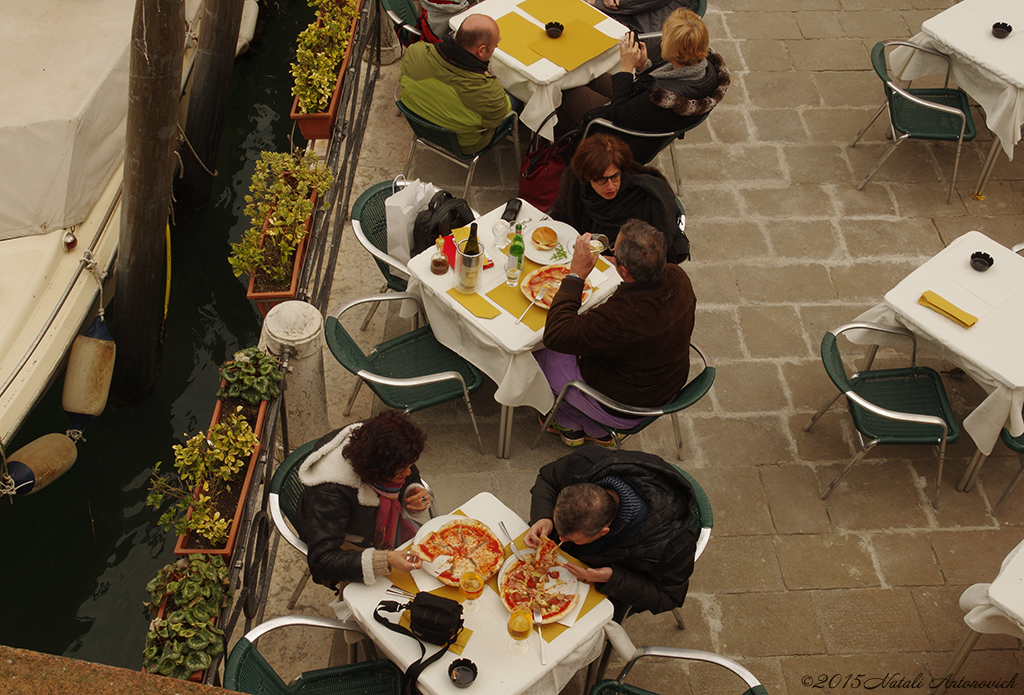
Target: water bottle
514,264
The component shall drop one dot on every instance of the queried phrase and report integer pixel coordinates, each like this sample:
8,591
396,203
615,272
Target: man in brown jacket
634,348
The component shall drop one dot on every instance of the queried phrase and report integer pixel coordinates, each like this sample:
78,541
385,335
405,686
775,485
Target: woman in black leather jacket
360,482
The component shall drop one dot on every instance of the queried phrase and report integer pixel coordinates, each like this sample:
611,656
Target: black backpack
443,213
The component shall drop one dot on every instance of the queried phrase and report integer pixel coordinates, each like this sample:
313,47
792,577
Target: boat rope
184,138
75,436
7,487
93,267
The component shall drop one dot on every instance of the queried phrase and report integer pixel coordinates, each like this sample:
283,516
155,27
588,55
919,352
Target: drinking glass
471,585
512,274
520,625
500,229
598,243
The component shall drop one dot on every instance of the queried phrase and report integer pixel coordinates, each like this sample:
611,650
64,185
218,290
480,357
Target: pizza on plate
531,585
547,280
546,556
459,546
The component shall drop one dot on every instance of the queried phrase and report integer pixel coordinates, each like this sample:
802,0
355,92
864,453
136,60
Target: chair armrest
605,123
949,63
897,415
389,297
413,381
306,620
950,110
399,22
274,501
702,353
604,400
690,655
376,252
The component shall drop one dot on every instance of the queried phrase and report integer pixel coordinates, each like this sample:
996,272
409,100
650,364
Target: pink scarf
391,528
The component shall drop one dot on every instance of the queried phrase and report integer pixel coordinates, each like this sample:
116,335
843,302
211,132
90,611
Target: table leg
986,170
966,483
505,431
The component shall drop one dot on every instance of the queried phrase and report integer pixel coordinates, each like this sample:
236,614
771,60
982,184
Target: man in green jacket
449,84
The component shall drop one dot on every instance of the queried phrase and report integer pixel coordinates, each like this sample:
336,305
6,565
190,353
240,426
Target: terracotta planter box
197,676
265,301
318,126
229,547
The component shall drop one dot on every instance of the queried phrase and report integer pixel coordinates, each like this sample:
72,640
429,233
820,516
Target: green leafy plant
186,640
278,205
320,52
205,468
252,375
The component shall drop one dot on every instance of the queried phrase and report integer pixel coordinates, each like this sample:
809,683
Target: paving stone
751,162
906,559
869,621
819,25
713,284
765,55
913,19
880,671
911,162
730,52
705,203
808,386
872,201
778,125
720,573
792,201
942,618
841,125
825,561
730,127
744,441
749,386
792,492
864,281
989,672
849,89
734,239
786,283
783,89
875,494
884,238
828,54
913,199
718,332
1006,230
873,22
771,331
817,164
1001,198
831,438
762,25
804,239
737,499
747,618
971,556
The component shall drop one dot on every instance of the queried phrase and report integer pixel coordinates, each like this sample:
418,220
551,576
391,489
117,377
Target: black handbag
541,169
432,619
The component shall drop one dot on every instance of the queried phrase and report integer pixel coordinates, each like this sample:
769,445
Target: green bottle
514,265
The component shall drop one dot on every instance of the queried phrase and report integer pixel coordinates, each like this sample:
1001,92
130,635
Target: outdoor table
497,346
500,671
989,351
541,82
991,70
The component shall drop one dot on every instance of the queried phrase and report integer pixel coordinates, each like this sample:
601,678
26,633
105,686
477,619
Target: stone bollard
300,327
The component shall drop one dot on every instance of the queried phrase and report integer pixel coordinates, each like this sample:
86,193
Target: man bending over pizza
627,514
634,348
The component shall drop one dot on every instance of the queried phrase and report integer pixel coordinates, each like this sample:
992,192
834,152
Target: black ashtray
462,672
1001,30
555,29
981,261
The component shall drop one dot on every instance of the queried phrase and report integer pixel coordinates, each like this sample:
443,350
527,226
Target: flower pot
257,427
180,548
318,126
265,301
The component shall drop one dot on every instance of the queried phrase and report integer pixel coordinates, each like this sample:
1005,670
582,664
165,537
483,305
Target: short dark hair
384,445
598,152
472,34
641,249
583,508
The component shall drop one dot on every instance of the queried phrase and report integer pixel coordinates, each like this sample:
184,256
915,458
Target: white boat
64,92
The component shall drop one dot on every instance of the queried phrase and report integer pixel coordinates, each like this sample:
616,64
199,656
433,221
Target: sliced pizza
546,556
522,585
542,284
459,546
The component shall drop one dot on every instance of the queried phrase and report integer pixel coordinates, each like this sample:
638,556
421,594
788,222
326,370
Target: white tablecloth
500,671
990,351
989,69
498,347
540,85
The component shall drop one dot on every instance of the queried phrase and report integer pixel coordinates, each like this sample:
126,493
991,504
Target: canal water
76,556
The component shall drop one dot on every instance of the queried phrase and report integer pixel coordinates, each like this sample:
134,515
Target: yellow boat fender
39,463
87,381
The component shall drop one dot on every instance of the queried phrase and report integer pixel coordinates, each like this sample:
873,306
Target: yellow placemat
403,580
464,636
512,300
562,11
517,32
947,309
578,43
476,304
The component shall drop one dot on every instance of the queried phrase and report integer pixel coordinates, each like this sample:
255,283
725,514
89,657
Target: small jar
439,262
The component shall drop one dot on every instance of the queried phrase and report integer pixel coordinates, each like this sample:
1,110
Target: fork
536,619
533,301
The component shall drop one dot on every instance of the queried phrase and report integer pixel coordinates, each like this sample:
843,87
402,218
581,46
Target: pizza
459,546
548,279
546,556
532,585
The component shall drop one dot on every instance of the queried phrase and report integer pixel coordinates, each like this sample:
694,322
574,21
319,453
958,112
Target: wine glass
520,625
471,585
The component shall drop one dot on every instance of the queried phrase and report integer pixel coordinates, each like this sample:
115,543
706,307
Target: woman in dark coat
603,188
360,480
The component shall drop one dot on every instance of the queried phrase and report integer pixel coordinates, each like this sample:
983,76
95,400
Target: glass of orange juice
471,585
520,625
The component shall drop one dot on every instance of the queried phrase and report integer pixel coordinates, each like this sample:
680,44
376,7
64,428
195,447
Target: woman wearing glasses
603,188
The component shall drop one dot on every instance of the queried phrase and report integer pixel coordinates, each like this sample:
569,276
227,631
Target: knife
512,543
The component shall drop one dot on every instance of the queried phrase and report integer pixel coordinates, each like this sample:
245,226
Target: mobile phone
512,208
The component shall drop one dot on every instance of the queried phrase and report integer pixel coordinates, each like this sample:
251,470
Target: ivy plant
252,375
319,53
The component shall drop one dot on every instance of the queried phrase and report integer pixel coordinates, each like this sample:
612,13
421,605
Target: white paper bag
401,209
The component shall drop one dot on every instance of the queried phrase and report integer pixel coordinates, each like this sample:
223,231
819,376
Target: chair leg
874,118
962,652
677,613
299,587
938,478
408,161
821,411
469,407
956,167
469,176
373,309
1009,488
675,169
352,398
878,165
679,436
867,447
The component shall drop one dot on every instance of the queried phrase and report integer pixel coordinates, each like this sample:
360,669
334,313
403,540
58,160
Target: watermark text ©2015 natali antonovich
843,681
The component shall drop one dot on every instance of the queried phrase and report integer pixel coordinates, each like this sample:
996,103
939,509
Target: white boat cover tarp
63,107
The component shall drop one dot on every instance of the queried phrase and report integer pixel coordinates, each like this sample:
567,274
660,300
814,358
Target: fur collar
681,106
325,464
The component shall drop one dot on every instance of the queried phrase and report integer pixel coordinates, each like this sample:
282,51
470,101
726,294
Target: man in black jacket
627,514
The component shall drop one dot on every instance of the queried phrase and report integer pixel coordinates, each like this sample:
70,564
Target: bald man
449,84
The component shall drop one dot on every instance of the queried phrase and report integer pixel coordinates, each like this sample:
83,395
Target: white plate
566,237
428,528
571,585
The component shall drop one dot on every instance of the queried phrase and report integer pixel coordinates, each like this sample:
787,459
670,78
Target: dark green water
76,556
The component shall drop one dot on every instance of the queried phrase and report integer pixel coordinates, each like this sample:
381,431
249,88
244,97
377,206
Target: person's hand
404,560
595,575
544,527
611,4
632,53
417,498
583,259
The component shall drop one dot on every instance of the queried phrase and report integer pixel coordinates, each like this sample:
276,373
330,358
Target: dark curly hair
384,445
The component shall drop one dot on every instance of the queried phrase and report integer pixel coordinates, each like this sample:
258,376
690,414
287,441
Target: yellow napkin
562,11
944,307
464,636
517,32
578,43
476,304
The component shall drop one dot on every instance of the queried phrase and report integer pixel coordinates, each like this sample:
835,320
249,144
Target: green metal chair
446,142
370,224
406,18
619,687
247,671
687,396
283,500
890,406
925,114
411,372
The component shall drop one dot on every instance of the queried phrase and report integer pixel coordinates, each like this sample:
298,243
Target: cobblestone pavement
797,589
